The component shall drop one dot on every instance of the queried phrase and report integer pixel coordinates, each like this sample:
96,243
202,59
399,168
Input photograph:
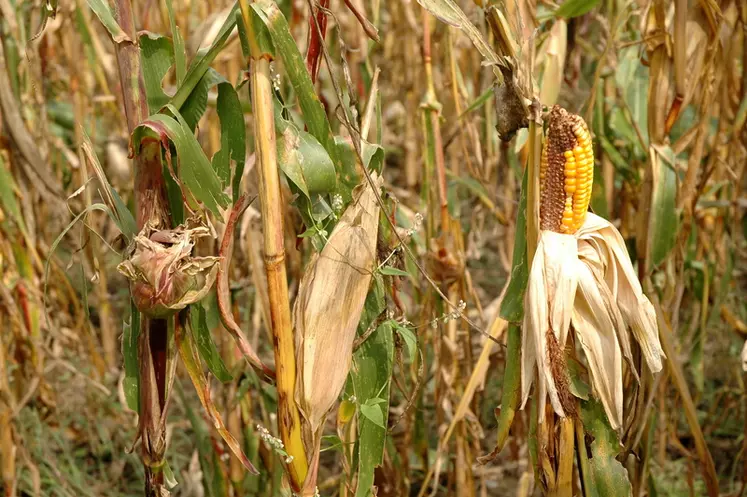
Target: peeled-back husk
622,281
548,306
595,329
329,305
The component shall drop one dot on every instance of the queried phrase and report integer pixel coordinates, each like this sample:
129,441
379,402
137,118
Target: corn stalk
289,421
154,352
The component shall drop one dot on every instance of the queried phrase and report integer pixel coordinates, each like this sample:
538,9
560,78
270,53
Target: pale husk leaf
595,255
595,329
329,305
561,280
534,331
622,281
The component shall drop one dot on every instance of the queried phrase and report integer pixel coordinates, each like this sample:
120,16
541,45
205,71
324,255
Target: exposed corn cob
566,173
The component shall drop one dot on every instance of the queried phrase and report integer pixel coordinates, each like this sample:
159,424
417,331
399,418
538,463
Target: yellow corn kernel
566,172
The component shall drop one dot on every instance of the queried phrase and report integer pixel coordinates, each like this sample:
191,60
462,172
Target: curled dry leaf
164,276
329,305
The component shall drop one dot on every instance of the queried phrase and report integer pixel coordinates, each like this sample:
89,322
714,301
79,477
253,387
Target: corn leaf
131,382
371,380
121,215
285,46
180,56
232,138
303,159
156,56
195,170
512,307
663,223
449,12
202,333
201,63
608,474
105,15
196,103
189,355
575,8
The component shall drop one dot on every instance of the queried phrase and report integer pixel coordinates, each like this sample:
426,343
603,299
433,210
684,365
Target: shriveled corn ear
566,173
329,305
582,276
164,276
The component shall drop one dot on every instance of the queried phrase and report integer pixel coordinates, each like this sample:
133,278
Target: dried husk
329,305
588,274
164,277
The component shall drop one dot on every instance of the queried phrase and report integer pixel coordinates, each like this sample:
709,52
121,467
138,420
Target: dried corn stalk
329,305
582,276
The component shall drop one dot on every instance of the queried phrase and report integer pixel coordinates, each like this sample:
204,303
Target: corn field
364,248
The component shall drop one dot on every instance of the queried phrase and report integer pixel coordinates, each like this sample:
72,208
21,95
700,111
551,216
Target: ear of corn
566,173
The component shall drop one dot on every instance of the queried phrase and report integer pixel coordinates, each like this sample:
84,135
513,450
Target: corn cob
566,173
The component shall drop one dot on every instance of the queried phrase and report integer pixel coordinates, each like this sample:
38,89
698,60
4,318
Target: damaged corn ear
566,173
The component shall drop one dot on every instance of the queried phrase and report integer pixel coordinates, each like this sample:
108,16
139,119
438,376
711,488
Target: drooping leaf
609,475
232,137
409,337
157,57
195,170
196,103
575,8
303,159
122,216
449,12
189,355
203,336
106,16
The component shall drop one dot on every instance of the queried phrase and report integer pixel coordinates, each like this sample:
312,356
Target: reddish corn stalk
315,41
152,209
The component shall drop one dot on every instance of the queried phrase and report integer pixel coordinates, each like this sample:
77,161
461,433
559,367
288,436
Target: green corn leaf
663,221
285,47
157,56
371,378
303,159
608,474
196,103
232,138
131,383
105,15
201,63
195,170
202,334
575,8
512,307
121,215
180,55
